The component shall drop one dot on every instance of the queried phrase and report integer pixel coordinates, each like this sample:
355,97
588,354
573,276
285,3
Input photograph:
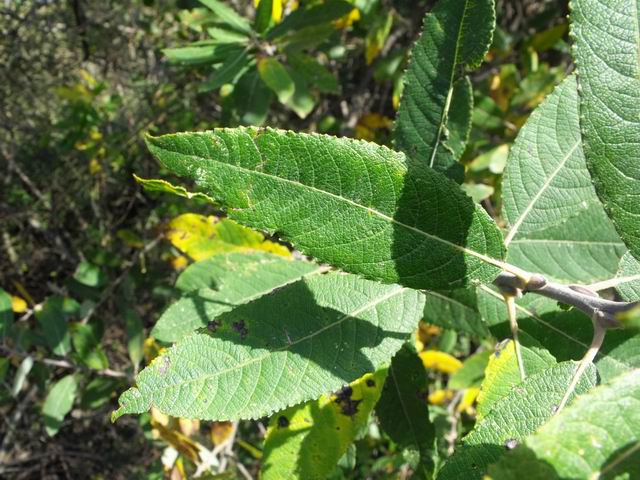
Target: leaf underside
606,52
285,348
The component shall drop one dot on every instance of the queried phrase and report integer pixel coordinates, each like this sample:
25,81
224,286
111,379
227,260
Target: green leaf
302,101
628,278
90,275
434,115
58,403
285,348
307,441
596,437
6,314
312,16
557,226
222,35
21,375
158,185
98,392
349,203
502,373
222,282
228,16
196,55
231,69
512,419
402,410
86,341
277,78
566,334
456,310
472,372
252,99
607,53
263,16
135,336
53,321
314,73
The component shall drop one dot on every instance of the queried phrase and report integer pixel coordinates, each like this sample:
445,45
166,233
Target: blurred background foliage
89,259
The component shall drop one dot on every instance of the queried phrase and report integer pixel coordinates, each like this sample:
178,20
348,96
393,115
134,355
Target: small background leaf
58,403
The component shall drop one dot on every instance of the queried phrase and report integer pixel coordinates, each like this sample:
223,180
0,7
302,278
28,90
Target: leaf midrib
253,360
514,229
445,110
485,258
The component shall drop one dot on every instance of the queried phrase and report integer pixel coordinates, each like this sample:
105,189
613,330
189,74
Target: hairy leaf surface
307,441
596,437
557,225
629,278
607,54
222,282
513,418
353,204
435,110
282,349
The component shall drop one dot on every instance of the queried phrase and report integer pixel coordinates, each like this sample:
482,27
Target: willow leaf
456,33
309,337
307,441
607,54
628,278
596,437
222,282
557,225
513,418
353,204
401,410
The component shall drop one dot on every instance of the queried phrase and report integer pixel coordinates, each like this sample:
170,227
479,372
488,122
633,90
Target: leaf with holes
307,441
312,336
356,205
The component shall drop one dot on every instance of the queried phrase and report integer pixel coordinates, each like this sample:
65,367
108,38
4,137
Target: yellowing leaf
276,9
177,440
440,361
151,349
439,397
308,440
18,304
201,237
468,399
348,19
179,262
157,185
189,427
94,166
220,432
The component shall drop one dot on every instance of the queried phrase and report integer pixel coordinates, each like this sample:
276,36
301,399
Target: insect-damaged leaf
307,441
356,205
282,349
222,282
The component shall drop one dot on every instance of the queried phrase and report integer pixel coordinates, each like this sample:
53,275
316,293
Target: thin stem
598,337
510,300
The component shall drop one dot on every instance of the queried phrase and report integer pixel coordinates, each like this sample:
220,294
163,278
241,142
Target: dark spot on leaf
348,406
283,422
371,383
511,444
241,328
213,325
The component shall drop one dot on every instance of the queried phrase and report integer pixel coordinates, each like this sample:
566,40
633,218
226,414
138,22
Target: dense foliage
400,220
